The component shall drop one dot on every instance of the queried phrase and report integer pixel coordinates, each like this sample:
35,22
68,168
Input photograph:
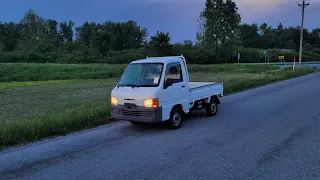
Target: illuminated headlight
114,100
151,103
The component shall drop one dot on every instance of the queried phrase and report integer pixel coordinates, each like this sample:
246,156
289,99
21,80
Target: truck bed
200,90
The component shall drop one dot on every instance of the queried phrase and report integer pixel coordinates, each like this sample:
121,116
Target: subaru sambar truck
158,89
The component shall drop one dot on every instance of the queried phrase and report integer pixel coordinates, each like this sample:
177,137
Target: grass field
42,72
43,100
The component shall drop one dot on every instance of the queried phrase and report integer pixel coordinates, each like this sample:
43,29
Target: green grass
236,82
4,85
43,72
230,68
39,109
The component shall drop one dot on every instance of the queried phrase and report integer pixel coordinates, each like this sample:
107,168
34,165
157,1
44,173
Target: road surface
304,65
272,132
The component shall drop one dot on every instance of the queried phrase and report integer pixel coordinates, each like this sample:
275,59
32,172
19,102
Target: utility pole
303,5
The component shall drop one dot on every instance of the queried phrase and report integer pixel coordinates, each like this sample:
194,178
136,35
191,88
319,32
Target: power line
303,6
275,1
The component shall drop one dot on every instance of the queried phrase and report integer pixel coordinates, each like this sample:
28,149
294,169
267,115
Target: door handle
183,86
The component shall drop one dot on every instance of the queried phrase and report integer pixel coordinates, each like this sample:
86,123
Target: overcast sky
178,17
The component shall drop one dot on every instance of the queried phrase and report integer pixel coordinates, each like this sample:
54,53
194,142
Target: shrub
249,55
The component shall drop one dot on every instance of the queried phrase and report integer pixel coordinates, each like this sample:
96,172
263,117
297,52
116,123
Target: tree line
220,37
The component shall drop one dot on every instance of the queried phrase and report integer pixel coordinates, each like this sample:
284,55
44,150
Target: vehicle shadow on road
190,119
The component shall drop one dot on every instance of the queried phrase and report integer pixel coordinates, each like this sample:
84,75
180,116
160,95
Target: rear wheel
212,107
176,118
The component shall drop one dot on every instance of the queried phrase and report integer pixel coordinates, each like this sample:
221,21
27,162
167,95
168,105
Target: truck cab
158,89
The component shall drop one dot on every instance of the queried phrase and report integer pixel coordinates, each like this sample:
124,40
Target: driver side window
173,74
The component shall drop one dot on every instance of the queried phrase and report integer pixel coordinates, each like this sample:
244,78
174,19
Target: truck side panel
166,109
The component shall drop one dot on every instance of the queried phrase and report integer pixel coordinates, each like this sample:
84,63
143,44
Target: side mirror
168,83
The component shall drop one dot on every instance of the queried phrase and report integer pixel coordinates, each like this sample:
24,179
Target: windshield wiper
131,85
148,86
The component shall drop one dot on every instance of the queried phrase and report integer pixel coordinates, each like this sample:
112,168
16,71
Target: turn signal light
151,103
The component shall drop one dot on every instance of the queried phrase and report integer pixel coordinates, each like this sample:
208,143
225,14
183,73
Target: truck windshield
142,75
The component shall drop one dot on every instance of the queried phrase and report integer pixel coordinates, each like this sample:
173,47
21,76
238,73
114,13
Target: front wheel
212,107
176,118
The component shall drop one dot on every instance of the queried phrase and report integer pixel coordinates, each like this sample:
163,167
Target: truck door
177,91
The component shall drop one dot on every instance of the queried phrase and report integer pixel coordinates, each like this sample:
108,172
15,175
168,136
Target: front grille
129,113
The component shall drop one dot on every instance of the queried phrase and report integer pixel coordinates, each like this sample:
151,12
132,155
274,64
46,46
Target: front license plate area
130,105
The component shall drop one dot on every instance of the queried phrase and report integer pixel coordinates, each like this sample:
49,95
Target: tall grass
52,124
42,72
231,68
4,85
237,85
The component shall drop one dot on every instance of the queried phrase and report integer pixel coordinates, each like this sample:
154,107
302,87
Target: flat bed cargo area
200,90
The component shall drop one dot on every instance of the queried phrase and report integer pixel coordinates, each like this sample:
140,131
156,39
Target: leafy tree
2,31
9,33
307,47
289,44
133,35
248,35
118,42
9,44
129,35
86,31
102,41
268,37
188,44
292,34
315,37
186,48
161,43
52,29
66,31
279,36
200,41
220,20
220,37
33,26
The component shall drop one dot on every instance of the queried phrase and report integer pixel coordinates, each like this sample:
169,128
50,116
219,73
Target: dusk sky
178,17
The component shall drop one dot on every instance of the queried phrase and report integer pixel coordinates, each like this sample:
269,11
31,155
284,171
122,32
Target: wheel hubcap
176,119
213,108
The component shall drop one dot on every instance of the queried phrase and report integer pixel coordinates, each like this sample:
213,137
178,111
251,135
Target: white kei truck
157,89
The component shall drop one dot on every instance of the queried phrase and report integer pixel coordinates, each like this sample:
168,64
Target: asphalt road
272,132
304,65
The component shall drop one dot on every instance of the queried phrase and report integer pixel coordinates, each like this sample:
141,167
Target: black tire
176,118
135,122
212,107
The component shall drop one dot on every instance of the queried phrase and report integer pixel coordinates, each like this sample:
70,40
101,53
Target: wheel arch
178,106
216,97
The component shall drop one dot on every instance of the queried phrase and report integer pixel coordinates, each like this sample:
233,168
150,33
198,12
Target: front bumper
137,114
